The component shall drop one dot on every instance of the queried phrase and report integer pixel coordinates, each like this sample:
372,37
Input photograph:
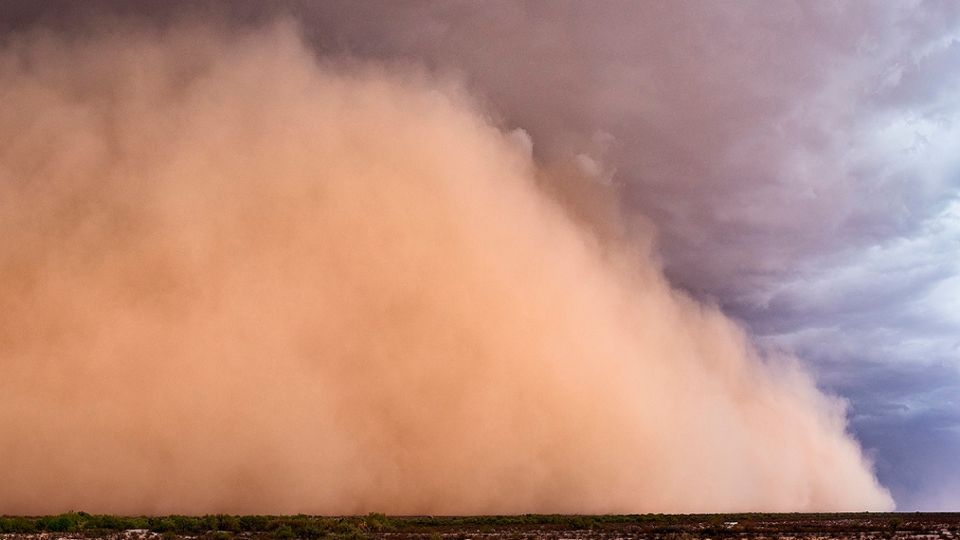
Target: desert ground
862,526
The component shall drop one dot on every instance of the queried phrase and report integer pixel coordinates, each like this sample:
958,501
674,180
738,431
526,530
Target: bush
228,523
284,532
378,522
17,525
161,525
253,523
308,529
61,523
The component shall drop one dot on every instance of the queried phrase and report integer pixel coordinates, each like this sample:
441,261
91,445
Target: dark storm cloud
798,159
906,414
918,457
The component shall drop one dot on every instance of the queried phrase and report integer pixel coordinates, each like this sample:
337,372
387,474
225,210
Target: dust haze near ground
238,278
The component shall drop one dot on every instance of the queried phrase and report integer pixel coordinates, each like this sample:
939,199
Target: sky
798,162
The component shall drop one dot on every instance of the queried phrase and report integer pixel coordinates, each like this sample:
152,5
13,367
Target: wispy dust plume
234,278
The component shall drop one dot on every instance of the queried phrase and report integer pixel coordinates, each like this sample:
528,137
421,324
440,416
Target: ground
864,526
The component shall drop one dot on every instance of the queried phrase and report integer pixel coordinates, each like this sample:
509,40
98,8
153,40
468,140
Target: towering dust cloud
236,278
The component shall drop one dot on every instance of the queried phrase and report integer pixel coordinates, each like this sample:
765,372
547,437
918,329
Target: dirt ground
651,527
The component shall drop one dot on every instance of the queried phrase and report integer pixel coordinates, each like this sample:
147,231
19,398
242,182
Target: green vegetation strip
312,527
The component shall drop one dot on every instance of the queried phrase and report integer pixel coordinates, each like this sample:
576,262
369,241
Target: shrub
61,523
161,525
378,522
228,523
17,525
253,523
284,532
308,529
